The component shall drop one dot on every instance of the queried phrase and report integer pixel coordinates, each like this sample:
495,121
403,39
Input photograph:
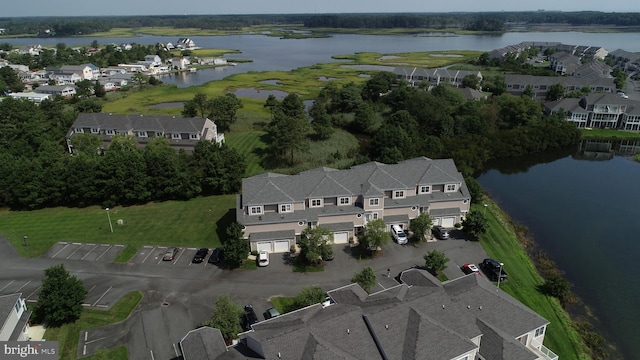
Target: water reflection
260,94
602,150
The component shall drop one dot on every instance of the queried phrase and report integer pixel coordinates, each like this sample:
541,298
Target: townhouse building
540,85
599,111
434,77
275,209
14,318
183,133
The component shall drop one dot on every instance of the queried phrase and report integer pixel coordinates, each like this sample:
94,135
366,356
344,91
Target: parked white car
263,258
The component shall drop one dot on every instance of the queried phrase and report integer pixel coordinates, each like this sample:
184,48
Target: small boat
193,69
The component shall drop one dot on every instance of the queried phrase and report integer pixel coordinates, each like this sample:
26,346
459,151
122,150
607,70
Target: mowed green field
194,223
501,243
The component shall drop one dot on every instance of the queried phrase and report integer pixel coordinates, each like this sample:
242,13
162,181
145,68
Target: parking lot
154,254
104,253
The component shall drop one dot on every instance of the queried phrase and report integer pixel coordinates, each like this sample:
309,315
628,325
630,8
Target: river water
271,53
583,213
583,210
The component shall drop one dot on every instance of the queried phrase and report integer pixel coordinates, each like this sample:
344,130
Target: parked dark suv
494,270
200,255
440,232
216,256
249,318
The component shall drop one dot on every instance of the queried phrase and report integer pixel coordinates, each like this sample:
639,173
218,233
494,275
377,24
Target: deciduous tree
375,235
420,226
365,278
60,298
226,318
435,261
236,247
312,243
475,223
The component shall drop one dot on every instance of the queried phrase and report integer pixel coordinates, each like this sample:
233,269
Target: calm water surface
586,215
271,53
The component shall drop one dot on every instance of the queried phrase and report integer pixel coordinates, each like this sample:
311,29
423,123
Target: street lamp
24,240
485,208
499,276
109,216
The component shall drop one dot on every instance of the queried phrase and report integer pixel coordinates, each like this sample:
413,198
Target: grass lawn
116,353
283,304
608,134
501,243
68,335
161,223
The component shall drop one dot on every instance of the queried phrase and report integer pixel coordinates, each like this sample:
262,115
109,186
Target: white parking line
105,293
92,341
85,255
77,243
86,334
149,254
106,251
12,281
161,257
59,251
175,349
383,288
34,291
74,251
21,287
180,252
151,351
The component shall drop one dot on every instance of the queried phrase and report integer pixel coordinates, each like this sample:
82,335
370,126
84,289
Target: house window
256,210
111,132
79,130
194,136
374,202
425,189
451,187
175,136
398,194
95,131
345,201
540,331
17,307
316,202
374,216
142,134
286,208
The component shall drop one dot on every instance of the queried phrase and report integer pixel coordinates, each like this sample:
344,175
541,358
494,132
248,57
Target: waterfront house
274,209
421,318
434,77
62,90
182,133
599,111
540,85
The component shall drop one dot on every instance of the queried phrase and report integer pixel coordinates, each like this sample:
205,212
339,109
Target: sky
10,8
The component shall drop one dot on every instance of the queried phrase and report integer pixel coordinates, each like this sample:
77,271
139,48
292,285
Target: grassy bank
608,134
161,223
501,243
68,335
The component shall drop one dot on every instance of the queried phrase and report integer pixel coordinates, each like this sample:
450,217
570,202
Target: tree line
484,21
36,171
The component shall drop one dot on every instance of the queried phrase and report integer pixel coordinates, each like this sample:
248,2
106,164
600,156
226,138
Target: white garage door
448,222
265,245
436,221
340,237
281,246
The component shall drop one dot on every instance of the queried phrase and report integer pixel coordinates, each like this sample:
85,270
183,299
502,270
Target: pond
260,94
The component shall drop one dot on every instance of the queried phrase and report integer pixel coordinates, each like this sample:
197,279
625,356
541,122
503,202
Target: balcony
542,350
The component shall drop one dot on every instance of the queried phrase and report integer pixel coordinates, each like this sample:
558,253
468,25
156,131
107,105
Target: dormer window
95,131
425,189
398,194
344,200
79,130
285,208
175,136
450,188
315,203
256,210
142,134
110,132
193,136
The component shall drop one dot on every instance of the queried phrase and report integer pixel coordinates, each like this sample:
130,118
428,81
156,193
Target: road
179,295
